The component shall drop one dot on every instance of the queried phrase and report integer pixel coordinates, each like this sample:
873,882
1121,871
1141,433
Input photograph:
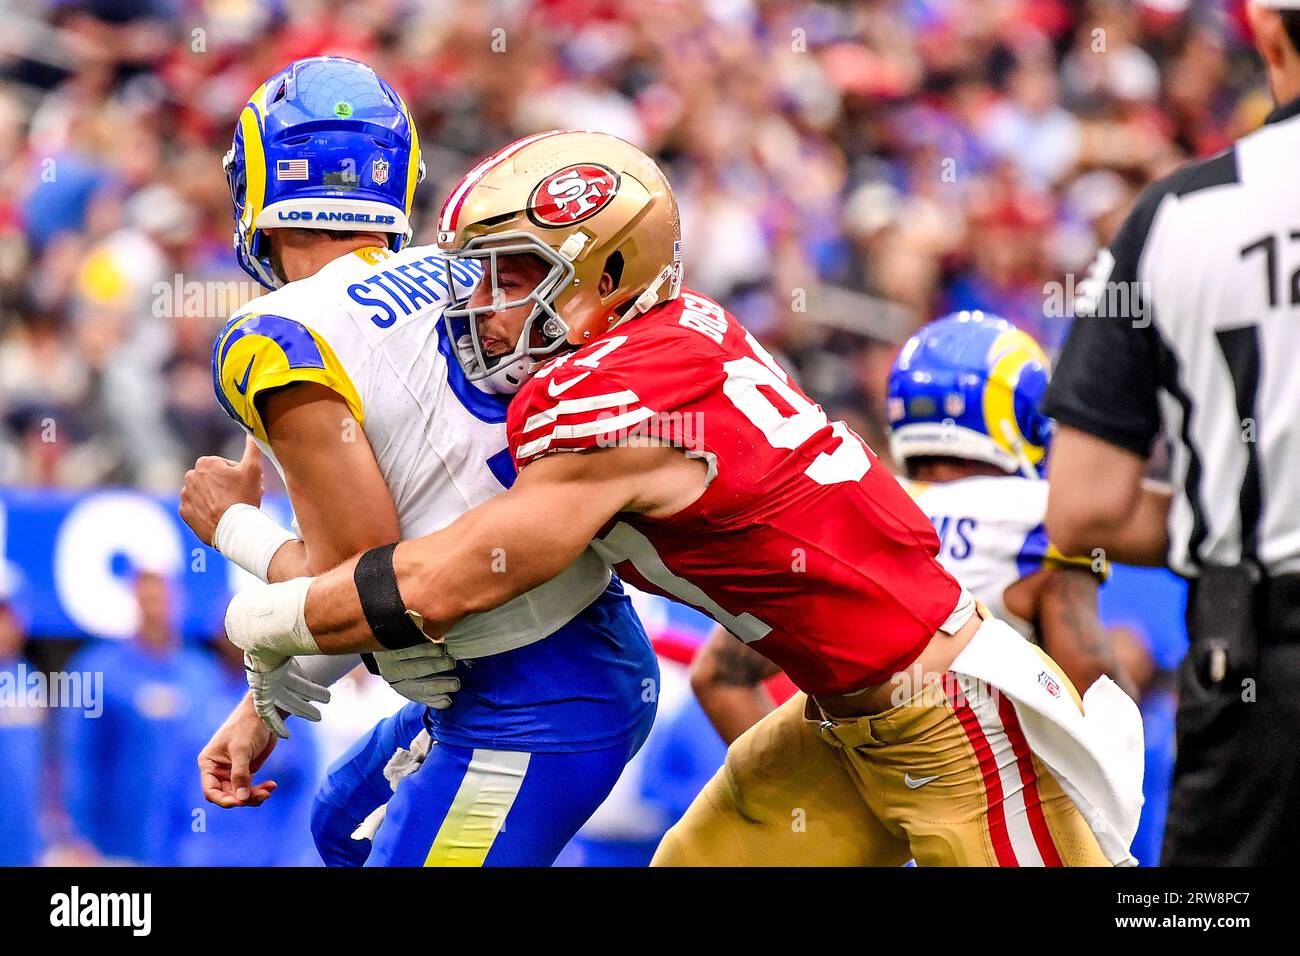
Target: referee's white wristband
272,618
247,536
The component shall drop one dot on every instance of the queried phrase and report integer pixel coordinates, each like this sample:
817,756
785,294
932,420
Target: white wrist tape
272,618
248,537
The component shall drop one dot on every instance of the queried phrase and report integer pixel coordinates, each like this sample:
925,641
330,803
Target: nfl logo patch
954,405
291,169
1049,683
379,171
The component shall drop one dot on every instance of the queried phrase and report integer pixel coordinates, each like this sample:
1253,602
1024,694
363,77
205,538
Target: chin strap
648,299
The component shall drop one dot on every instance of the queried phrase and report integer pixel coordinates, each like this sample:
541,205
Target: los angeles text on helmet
684,430
363,218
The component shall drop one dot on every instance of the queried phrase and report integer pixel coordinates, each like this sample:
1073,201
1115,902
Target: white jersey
369,326
991,534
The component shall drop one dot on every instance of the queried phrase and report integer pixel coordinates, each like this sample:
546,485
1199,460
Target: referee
1189,325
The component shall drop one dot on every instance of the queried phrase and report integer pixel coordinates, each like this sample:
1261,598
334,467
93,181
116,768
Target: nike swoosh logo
914,782
242,385
557,392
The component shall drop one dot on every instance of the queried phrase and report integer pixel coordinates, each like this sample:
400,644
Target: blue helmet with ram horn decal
323,144
970,385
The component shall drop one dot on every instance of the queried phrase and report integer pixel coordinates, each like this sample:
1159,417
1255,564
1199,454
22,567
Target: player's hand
214,484
420,673
279,687
237,751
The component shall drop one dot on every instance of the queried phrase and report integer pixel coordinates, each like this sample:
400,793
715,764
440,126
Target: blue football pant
464,806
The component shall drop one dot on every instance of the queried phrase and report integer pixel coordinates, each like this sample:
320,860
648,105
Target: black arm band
382,602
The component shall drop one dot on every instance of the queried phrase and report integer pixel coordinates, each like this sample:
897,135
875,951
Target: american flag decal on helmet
291,169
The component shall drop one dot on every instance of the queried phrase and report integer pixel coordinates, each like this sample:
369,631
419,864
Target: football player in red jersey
694,465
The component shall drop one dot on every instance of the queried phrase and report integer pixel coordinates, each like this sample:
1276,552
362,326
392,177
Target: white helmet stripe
453,204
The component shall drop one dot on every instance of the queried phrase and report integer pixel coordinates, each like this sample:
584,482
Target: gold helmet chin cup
577,200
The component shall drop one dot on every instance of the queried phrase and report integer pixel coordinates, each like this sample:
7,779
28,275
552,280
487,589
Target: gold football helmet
587,204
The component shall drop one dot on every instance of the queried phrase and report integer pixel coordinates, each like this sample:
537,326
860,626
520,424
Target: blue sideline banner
70,557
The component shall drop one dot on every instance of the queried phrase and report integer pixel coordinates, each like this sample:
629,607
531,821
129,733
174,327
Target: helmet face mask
543,325
587,204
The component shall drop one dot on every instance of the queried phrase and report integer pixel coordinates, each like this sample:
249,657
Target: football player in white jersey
345,377
963,408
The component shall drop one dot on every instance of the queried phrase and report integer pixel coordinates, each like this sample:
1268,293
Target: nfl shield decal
379,171
572,194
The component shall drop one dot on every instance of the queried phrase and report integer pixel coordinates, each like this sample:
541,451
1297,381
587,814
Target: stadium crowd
846,171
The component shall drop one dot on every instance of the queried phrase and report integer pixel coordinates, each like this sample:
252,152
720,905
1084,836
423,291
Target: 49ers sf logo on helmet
572,194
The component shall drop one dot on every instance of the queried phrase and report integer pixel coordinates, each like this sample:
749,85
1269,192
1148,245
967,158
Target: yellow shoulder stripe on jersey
479,809
260,352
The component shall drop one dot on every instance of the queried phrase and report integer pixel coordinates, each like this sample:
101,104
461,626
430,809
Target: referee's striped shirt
1190,323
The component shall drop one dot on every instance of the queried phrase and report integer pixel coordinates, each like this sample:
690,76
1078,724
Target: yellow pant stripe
478,812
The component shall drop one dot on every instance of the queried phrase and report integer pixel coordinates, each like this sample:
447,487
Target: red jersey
803,545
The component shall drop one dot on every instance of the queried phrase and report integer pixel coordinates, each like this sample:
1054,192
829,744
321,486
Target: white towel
1096,756
401,765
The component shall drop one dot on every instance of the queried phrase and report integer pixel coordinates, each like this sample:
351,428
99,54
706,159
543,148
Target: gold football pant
946,778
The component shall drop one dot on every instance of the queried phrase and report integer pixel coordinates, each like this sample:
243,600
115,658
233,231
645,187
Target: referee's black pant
1235,797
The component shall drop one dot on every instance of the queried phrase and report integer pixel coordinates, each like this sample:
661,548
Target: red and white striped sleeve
573,409
633,385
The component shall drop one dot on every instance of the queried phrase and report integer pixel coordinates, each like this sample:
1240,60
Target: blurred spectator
923,156
275,834
21,737
116,766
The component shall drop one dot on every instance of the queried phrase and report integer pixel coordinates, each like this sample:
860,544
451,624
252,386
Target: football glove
282,686
420,673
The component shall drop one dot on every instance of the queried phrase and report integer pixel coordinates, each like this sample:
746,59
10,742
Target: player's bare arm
339,495
1098,498
727,676
236,751
510,544
343,506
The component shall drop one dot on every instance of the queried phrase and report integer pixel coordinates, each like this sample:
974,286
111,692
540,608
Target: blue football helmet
323,144
970,385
